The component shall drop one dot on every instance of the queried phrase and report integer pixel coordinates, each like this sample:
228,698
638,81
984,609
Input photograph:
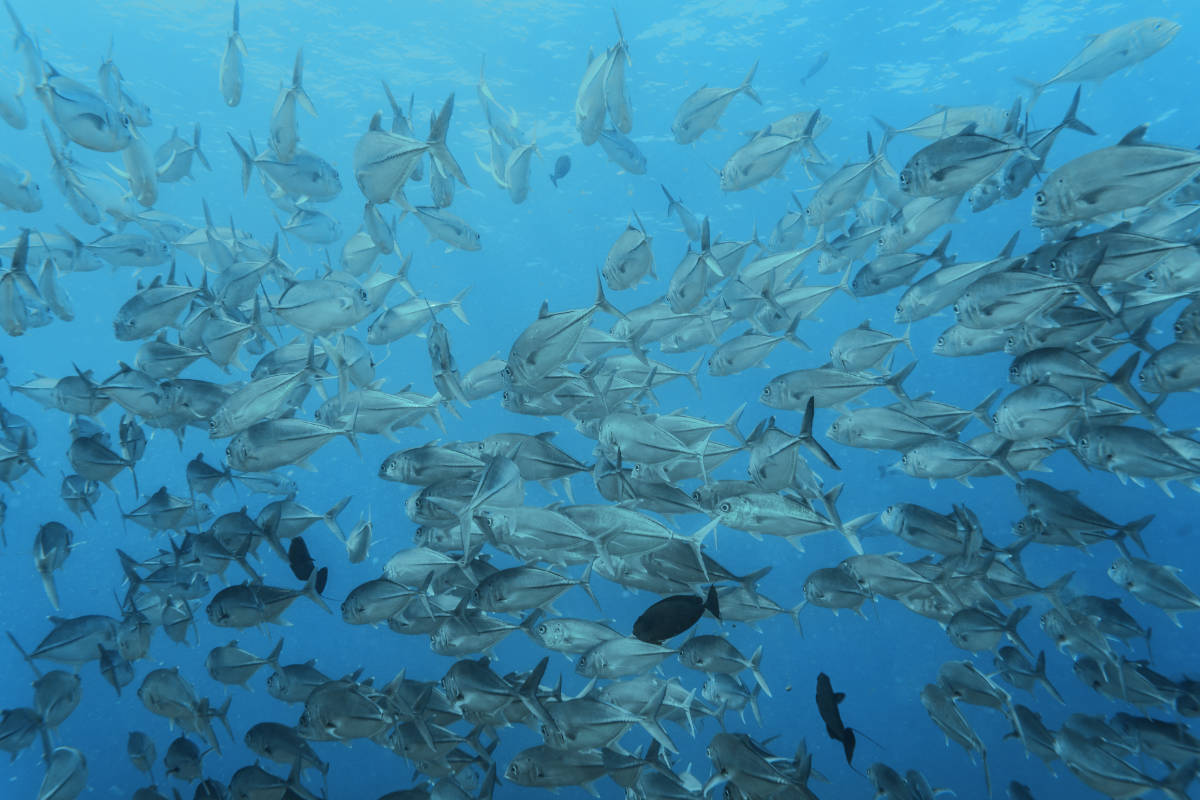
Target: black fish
672,616
322,579
827,704
299,560
561,168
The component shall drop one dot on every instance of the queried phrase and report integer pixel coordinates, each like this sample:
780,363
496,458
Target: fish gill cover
402,407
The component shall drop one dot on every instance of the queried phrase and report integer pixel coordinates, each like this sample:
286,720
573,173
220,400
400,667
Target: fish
1112,51
818,64
827,704
501,121
630,260
12,108
284,136
951,166
704,107
562,166
590,102
444,226
66,774
82,114
305,175
384,161
1131,173
301,563
674,615
1153,583
764,157
691,225
232,72
622,151
51,546
249,604
182,760
616,102
18,190
839,191
275,443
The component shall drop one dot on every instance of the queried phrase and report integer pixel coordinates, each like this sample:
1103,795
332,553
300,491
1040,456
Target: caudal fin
1073,122
1035,91
746,88
247,163
437,142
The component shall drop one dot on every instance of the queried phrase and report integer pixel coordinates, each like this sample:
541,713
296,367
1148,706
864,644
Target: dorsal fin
1008,248
1135,136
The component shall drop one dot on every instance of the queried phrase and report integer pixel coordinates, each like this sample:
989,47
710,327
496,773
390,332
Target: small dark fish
561,167
827,704
301,562
672,616
816,67
322,579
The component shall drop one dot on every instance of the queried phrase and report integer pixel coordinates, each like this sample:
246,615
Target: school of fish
483,560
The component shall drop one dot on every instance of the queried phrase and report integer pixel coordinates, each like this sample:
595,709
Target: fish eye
543,629
725,507
941,341
995,419
1150,275
1040,198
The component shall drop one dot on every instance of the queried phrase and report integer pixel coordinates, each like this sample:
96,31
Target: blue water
893,62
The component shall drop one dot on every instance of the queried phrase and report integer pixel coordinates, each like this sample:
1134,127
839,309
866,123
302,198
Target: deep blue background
895,63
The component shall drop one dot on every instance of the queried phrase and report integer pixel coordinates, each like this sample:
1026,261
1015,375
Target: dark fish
827,704
672,616
561,167
816,67
301,562
322,579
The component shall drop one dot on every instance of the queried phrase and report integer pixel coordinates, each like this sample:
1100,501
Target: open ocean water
898,62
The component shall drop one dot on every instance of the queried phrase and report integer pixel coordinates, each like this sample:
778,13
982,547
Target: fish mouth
1043,217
